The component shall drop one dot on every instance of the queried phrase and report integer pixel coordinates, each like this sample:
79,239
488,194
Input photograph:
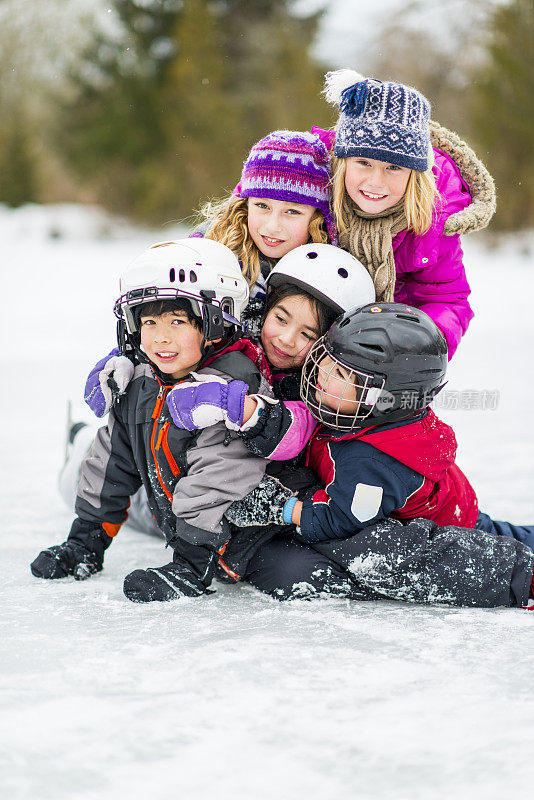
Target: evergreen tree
275,81
503,112
172,113
241,70
198,119
38,45
18,175
113,126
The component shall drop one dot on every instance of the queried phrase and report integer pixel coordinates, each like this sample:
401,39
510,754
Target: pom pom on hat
335,83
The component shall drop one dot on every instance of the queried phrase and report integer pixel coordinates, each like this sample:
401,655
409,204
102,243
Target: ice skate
78,439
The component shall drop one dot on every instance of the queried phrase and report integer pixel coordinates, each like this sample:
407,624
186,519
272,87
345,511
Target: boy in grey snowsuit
178,301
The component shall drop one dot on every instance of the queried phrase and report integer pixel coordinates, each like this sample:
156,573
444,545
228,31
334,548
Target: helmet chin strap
210,348
213,330
205,348
140,354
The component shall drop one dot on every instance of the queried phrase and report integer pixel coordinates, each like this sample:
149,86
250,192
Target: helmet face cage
325,407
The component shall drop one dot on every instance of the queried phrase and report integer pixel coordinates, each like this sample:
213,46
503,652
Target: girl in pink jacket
397,199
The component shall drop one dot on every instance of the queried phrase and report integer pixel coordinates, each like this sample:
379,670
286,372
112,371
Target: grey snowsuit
190,477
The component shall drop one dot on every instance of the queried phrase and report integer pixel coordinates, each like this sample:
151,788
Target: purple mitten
107,381
199,405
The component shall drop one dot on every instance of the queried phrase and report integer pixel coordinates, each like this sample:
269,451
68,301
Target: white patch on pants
366,501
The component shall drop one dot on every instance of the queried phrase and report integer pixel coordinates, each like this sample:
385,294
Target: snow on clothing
185,474
414,562
417,562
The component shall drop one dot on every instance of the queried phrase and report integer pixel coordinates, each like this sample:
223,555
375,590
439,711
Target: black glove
301,480
262,506
82,555
177,579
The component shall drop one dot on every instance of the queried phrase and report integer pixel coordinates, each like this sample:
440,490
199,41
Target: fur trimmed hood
479,181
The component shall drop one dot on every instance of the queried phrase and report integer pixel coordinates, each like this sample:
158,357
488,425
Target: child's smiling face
289,330
276,227
374,185
172,342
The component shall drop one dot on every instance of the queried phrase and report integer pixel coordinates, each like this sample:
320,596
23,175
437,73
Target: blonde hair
420,197
227,224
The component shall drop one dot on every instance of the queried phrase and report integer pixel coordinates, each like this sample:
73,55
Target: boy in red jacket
381,451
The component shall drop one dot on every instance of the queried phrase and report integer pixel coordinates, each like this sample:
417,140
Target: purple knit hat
293,166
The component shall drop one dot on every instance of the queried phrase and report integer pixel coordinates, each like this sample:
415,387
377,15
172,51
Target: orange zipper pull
161,434
159,403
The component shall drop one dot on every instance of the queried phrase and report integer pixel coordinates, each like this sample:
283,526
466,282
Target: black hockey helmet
394,355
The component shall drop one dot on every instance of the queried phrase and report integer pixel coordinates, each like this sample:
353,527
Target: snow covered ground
236,695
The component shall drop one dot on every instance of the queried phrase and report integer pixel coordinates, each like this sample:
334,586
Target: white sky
348,27
346,36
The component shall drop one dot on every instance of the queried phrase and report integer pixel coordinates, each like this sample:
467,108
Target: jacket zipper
162,442
225,567
155,416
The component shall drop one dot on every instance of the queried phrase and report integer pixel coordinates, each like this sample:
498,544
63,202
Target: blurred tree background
158,108
148,107
474,60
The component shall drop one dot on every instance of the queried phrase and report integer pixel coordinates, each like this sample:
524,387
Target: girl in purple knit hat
281,201
401,198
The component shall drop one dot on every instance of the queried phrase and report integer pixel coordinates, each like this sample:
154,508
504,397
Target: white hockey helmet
204,272
328,273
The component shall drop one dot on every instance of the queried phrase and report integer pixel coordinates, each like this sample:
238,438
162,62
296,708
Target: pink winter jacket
430,270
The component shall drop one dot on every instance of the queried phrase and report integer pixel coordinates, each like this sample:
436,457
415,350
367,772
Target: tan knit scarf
370,239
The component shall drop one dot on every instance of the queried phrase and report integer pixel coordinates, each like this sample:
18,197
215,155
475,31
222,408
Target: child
382,451
282,201
178,301
419,560
396,199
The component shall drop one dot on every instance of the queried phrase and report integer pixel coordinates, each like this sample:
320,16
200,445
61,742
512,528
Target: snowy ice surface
236,695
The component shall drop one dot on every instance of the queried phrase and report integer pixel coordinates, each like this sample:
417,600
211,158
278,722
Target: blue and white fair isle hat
379,119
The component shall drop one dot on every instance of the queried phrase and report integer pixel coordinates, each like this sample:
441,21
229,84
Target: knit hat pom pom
337,82
353,99
321,153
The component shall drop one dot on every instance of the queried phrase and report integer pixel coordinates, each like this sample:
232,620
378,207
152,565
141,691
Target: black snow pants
417,562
